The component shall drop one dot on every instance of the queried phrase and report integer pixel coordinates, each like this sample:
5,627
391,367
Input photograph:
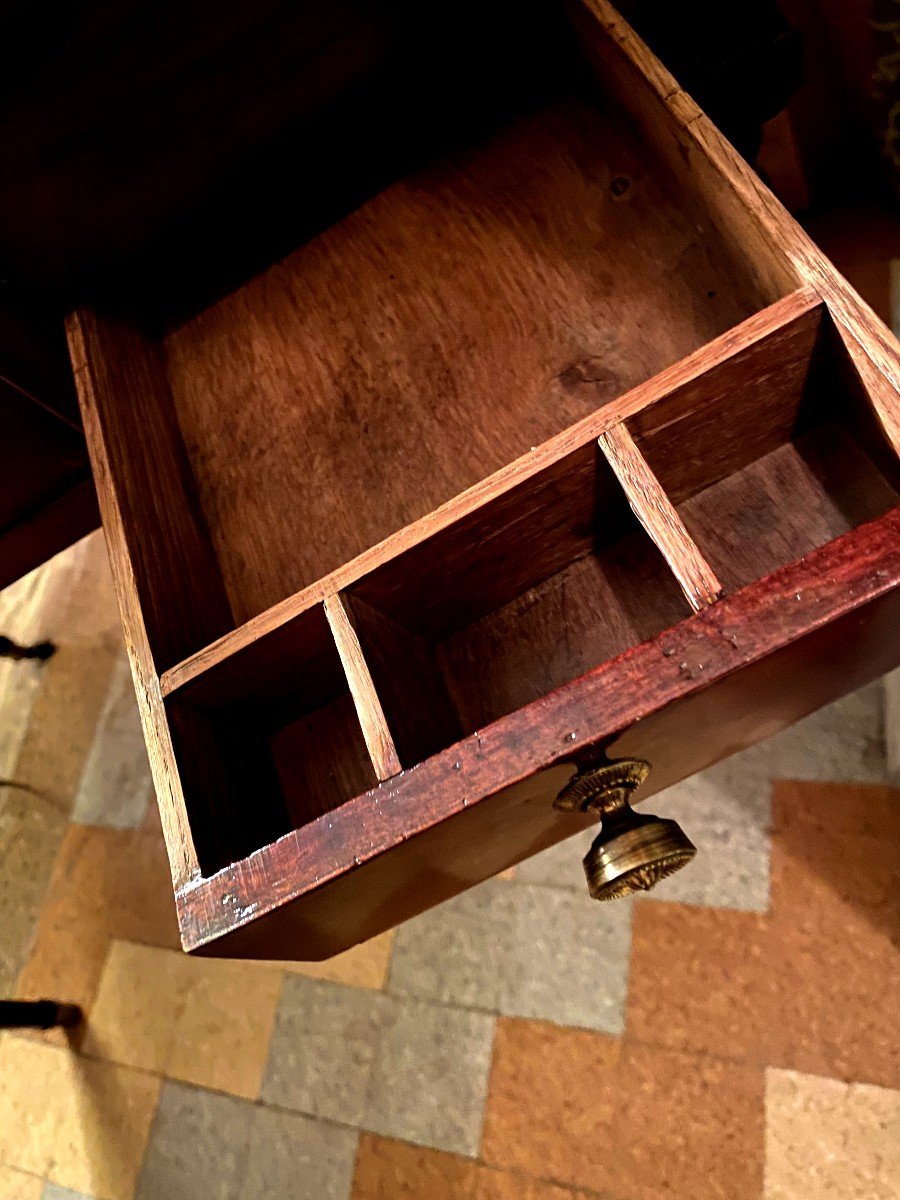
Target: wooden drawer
569,445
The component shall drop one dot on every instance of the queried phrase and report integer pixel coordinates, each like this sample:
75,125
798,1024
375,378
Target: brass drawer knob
633,851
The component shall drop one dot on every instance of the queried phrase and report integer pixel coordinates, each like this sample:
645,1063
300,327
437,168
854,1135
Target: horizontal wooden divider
376,733
657,514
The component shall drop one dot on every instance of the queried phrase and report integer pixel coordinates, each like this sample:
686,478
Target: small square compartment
537,588
773,454
266,751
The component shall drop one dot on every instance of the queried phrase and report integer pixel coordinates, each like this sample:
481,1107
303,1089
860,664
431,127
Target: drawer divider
376,733
658,516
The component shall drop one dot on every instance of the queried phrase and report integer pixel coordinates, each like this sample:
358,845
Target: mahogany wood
516,271
441,828
270,633
361,528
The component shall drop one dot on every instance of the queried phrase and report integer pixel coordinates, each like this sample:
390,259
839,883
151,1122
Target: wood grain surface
372,721
682,699
659,517
454,321
551,470
404,413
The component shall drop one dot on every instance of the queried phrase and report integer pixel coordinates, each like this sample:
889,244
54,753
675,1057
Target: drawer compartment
478,621
565,446
763,476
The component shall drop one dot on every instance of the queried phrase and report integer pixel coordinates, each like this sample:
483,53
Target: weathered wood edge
176,827
658,516
846,574
375,731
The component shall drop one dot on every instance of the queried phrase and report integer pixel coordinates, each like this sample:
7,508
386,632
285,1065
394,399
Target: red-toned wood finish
413,524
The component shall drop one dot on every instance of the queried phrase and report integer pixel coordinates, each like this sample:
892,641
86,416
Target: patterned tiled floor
733,1035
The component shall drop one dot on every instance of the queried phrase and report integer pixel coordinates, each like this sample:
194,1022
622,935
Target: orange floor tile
752,1051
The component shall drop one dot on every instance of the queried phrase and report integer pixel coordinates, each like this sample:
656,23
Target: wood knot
591,371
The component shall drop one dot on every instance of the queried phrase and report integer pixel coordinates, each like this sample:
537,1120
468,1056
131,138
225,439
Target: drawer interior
342,394
470,487
263,753
774,451
452,323
536,591
765,473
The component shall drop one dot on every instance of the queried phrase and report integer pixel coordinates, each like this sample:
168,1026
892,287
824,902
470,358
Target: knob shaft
633,851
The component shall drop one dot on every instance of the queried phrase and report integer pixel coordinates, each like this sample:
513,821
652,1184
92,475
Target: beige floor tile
104,1126
364,966
106,884
134,1018
226,1025
29,1103
64,717
203,1021
827,1140
32,609
84,1125
15,1185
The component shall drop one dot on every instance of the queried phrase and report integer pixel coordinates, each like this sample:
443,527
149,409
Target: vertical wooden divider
376,733
657,514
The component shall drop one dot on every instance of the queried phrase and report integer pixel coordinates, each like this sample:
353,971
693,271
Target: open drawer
567,446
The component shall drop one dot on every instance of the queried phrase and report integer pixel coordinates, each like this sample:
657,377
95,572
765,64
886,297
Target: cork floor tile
82,1124
429,1078
363,966
323,1048
31,832
289,1155
202,1021
835,912
106,884
115,787
392,1170
701,981
561,1099
196,1147
522,950
459,952
847,808
222,1148
827,1140
134,1017
15,1185
500,1185
225,1026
